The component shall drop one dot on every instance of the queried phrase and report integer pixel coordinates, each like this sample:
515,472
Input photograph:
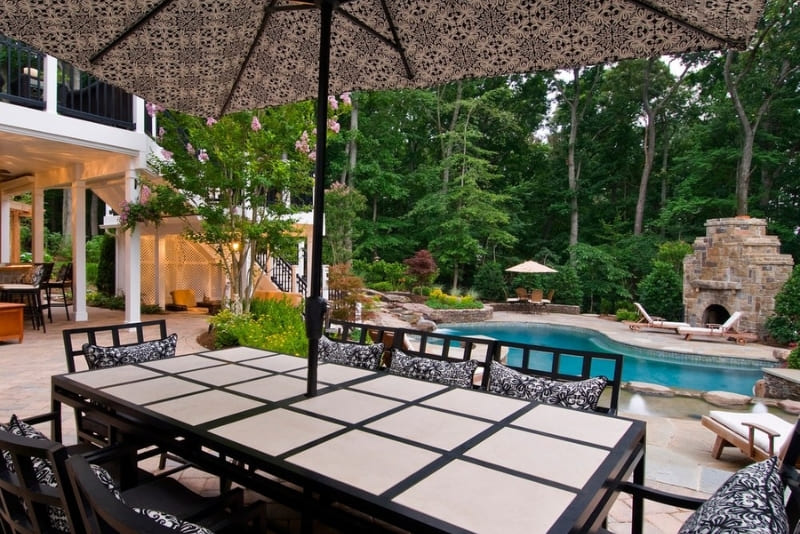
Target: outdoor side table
11,321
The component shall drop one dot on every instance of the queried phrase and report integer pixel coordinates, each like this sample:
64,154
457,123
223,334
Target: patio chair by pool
727,330
648,321
757,435
522,296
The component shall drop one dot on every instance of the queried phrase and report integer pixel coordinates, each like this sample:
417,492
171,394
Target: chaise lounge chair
646,321
757,435
727,330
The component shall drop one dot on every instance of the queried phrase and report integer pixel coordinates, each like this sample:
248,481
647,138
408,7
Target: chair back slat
114,335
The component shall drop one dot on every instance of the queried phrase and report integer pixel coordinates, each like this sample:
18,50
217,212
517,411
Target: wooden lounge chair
727,330
757,435
647,321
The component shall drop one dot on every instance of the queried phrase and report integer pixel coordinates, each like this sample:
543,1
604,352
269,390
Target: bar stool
63,281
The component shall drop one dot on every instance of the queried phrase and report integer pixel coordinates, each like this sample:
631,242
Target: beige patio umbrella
530,266
210,58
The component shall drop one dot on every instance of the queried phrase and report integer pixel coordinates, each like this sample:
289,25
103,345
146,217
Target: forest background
607,173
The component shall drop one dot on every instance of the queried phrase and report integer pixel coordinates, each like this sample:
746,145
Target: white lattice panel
183,265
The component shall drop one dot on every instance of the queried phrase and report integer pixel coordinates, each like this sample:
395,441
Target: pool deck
678,447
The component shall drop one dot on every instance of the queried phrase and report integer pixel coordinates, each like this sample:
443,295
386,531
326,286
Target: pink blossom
333,125
301,145
189,148
144,194
211,121
255,124
161,132
203,155
166,154
332,102
312,155
345,97
152,108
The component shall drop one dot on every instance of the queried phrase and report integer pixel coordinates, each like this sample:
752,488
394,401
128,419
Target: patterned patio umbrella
213,57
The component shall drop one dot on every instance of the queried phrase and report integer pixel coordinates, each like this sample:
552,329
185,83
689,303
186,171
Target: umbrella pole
316,306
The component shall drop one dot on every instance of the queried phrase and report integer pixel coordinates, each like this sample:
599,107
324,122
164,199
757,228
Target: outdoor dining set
29,290
409,431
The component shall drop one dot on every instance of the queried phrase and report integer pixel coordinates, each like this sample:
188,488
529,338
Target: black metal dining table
419,455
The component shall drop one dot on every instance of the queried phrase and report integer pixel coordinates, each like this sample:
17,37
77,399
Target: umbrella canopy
530,266
210,58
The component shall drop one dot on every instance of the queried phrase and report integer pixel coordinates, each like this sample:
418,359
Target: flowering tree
236,173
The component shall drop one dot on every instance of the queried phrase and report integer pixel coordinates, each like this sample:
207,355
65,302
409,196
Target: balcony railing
23,78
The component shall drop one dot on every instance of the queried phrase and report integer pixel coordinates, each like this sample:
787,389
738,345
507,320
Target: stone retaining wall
779,388
555,308
459,316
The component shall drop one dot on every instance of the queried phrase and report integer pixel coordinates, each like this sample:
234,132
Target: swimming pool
683,371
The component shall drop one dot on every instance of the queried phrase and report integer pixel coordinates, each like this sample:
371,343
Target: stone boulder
646,388
726,398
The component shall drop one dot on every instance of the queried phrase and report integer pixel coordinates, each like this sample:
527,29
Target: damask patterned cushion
101,357
750,501
354,355
457,374
580,395
172,522
45,473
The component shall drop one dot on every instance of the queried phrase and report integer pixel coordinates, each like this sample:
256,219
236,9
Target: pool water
682,371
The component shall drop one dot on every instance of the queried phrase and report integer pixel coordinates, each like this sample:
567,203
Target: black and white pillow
170,521
579,395
458,374
45,474
101,357
750,501
352,354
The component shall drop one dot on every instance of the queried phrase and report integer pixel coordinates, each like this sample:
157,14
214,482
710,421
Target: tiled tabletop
452,459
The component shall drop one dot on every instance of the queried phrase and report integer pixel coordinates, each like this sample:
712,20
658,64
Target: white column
138,113
5,228
132,259
79,311
51,84
37,224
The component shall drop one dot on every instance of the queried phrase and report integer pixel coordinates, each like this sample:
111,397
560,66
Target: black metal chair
62,282
747,495
30,293
36,495
91,429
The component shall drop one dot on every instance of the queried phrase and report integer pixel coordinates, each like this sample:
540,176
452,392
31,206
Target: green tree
661,292
784,326
600,275
342,207
236,175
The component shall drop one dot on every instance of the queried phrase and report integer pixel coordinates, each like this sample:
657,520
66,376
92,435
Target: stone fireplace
735,267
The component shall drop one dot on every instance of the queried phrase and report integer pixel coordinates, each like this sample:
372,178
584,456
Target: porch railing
23,76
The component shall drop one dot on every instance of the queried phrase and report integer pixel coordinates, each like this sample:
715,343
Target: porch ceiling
24,155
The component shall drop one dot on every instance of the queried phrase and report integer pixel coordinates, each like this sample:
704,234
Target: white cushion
734,420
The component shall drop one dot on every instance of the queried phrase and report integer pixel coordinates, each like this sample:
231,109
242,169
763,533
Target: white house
62,129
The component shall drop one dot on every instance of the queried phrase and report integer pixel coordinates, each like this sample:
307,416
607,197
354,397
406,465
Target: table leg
637,513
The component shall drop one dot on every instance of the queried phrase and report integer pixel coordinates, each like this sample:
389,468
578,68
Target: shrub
349,291
442,301
275,325
567,286
661,292
626,315
489,281
381,286
93,247
381,272
91,273
793,360
106,271
784,326
422,268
